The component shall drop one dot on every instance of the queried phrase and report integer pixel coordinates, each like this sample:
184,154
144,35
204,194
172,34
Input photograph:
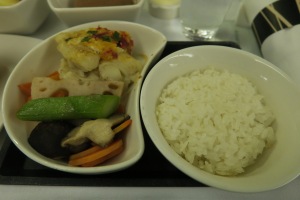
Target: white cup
201,19
164,9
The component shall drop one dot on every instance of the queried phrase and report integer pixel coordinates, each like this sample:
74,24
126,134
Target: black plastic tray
152,170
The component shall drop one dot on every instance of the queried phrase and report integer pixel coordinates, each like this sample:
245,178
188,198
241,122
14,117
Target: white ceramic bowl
283,162
24,17
77,15
44,59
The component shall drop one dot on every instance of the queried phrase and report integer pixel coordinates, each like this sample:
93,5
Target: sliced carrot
98,156
86,152
122,126
54,75
25,88
101,160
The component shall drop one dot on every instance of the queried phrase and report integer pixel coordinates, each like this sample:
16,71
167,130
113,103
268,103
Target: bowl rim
75,9
171,155
98,169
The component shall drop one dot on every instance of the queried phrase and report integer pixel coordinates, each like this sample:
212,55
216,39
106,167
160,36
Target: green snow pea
71,107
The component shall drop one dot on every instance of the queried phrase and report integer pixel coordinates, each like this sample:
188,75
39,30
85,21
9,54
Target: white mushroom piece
98,131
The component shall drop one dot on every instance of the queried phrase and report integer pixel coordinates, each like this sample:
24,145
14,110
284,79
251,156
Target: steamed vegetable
98,156
95,155
46,137
71,107
99,131
25,88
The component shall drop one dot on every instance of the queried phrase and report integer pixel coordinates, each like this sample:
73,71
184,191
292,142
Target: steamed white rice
216,120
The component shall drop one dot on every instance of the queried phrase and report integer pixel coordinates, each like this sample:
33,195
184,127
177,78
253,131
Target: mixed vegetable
81,129
80,108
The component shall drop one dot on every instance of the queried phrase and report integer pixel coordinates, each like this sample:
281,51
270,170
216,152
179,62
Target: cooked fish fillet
99,54
86,48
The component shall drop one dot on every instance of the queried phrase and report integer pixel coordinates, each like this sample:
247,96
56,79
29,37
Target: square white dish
72,16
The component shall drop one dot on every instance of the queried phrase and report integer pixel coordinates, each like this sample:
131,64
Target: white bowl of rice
225,117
